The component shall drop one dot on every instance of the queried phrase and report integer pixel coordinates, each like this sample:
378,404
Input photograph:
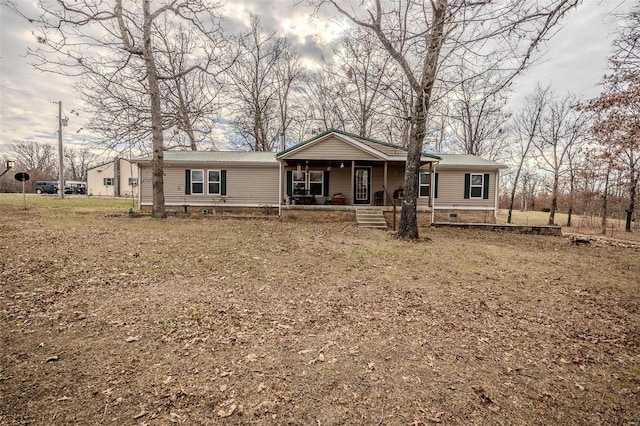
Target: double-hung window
315,183
214,182
299,183
107,181
424,185
307,182
477,184
197,181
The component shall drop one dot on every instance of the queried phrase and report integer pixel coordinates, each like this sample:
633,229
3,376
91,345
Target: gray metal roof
467,161
240,157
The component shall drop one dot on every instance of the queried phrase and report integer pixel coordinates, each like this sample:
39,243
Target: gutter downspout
279,189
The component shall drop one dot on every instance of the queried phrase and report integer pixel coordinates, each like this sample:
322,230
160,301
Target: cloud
575,61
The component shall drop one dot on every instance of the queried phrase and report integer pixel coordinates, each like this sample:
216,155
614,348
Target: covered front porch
340,169
341,183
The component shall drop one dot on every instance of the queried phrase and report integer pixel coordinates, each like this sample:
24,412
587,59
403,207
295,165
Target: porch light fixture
342,165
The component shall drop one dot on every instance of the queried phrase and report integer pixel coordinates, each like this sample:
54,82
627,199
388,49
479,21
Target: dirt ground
114,320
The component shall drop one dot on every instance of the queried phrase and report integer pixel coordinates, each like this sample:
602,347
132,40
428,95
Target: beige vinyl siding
95,180
96,176
127,170
451,190
330,149
340,182
145,186
247,185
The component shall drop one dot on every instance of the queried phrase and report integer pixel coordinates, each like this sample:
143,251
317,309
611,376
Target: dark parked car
73,187
44,187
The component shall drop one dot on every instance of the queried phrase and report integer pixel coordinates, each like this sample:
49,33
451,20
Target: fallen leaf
131,339
52,358
226,413
261,387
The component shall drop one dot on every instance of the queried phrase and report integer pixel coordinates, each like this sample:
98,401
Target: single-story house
334,170
117,178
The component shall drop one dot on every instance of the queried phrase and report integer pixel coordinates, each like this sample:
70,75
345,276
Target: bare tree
37,159
563,129
319,103
359,69
526,125
617,109
419,35
114,45
477,113
261,80
77,163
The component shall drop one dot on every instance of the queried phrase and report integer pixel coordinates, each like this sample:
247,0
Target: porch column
432,189
497,204
279,188
384,196
353,182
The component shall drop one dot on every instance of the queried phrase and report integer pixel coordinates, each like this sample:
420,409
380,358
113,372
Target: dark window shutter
187,182
435,188
325,184
223,182
485,190
467,184
289,182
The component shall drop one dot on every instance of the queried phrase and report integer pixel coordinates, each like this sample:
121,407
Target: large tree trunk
157,179
408,226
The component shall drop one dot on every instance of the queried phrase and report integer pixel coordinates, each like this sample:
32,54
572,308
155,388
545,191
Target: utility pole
61,157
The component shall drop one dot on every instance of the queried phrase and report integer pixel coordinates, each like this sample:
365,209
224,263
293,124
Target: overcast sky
575,61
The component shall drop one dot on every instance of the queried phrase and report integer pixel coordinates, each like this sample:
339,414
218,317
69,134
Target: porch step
371,218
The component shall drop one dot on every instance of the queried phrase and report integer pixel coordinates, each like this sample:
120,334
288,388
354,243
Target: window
307,183
107,181
214,182
197,181
299,183
424,185
477,183
315,183
133,181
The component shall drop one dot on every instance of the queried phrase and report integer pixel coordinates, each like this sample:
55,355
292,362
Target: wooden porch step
371,218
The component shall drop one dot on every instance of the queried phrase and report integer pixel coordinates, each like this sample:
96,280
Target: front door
362,182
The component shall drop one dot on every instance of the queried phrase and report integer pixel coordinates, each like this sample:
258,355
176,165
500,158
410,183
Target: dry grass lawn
114,320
